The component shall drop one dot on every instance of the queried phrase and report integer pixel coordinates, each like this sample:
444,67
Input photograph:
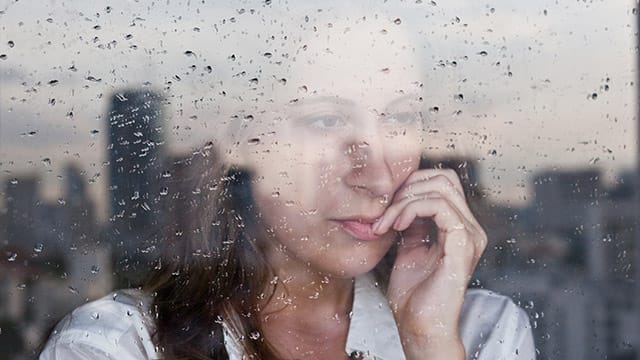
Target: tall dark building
22,203
80,224
136,154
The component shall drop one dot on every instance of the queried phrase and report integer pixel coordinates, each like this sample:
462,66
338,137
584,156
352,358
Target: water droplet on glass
434,109
254,141
11,43
95,269
12,257
397,21
53,82
38,248
73,290
46,162
254,335
95,315
275,194
483,53
458,97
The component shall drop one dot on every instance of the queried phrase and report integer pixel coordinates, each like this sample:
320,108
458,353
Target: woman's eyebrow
401,99
321,99
342,101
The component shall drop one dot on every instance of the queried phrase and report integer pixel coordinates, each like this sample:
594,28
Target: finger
391,214
442,185
446,216
425,190
449,180
426,174
464,245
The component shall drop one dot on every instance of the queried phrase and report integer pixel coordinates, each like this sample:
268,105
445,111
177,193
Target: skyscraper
22,201
136,154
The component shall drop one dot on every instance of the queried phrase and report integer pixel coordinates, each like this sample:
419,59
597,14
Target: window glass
105,107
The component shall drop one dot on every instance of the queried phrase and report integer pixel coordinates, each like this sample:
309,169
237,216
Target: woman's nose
370,168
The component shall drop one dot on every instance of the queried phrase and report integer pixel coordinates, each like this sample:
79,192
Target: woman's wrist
434,349
444,345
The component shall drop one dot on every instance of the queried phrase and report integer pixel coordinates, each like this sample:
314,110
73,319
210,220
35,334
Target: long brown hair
211,268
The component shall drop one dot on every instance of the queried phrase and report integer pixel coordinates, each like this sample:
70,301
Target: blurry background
98,112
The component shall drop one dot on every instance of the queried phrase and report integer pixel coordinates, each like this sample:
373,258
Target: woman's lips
359,230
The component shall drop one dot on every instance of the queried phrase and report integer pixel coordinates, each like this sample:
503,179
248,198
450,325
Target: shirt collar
373,333
372,330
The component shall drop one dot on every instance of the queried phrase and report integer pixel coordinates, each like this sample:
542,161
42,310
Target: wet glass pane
220,170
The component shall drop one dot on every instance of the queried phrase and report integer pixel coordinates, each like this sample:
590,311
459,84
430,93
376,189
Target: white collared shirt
119,326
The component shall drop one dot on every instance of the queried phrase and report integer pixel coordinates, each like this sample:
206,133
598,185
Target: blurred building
136,154
21,201
569,255
80,217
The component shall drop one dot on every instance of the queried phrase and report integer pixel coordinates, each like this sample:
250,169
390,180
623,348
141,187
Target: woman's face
332,146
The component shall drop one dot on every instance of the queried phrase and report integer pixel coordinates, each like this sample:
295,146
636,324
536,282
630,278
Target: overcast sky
528,71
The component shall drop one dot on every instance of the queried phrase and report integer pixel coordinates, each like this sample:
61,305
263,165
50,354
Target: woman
315,234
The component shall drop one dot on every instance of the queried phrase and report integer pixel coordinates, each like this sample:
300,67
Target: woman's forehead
354,53
355,64
358,60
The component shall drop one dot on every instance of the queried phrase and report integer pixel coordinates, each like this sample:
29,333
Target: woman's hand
430,276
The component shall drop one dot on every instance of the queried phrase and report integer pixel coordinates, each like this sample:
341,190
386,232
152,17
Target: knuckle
467,250
482,242
452,173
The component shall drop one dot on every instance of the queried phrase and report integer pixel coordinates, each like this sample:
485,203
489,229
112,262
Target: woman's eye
327,121
401,118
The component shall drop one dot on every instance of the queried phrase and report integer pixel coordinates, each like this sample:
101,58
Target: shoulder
117,325
492,326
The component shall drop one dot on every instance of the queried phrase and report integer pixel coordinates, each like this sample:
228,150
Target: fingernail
395,224
376,224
